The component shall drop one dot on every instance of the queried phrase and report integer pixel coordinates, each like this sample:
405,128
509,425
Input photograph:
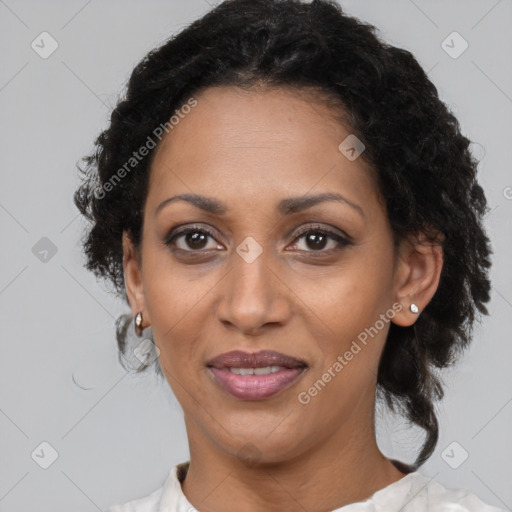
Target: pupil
314,238
196,240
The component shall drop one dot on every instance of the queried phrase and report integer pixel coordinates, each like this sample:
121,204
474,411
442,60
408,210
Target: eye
317,238
192,239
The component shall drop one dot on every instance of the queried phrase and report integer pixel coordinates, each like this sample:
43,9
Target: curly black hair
425,170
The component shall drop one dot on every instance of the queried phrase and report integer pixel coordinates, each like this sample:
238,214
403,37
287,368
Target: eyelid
318,227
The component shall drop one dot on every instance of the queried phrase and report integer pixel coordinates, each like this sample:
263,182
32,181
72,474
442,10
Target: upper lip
243,359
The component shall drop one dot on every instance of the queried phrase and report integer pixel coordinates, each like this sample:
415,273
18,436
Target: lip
255,387
243,359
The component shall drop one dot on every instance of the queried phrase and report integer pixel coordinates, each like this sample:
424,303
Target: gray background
117,439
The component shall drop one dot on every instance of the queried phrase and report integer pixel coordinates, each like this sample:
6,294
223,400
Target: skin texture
249,150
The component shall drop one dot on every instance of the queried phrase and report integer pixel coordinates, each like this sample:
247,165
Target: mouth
255,375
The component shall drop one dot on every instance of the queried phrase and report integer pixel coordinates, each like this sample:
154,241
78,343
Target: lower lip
256,387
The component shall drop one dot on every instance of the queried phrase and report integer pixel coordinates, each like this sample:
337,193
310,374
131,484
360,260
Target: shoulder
168,495
149,503
426,494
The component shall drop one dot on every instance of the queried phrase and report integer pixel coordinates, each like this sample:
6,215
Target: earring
414,308
138,324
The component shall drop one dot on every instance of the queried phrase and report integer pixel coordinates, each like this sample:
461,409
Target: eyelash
313,229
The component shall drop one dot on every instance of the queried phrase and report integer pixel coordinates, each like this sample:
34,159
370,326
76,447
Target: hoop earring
138,324
414,308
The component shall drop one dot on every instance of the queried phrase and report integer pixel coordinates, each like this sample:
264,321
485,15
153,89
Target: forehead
257,145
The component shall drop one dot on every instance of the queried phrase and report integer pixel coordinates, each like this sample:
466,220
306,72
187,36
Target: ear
417,273
133,277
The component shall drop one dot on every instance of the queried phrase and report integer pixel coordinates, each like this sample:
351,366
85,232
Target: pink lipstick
255,375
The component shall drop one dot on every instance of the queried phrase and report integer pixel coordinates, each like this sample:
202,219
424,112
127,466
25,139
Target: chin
263,445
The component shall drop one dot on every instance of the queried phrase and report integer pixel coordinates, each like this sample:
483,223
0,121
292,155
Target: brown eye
316,241
320,240
192,240
195,240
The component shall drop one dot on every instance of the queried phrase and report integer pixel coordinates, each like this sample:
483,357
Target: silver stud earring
414,308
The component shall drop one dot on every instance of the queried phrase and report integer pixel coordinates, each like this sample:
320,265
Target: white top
412,493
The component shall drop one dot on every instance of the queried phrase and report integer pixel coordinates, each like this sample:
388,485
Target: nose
253,296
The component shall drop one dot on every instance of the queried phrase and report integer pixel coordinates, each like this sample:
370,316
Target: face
265,270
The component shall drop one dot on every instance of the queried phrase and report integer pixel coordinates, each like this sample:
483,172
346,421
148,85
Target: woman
287,204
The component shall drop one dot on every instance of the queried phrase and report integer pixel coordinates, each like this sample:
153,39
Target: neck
345,468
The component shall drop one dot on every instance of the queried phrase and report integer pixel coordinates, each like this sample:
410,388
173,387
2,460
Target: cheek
172,290
177,309
349,303
349,298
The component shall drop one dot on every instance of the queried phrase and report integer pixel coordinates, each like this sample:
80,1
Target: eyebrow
286,206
